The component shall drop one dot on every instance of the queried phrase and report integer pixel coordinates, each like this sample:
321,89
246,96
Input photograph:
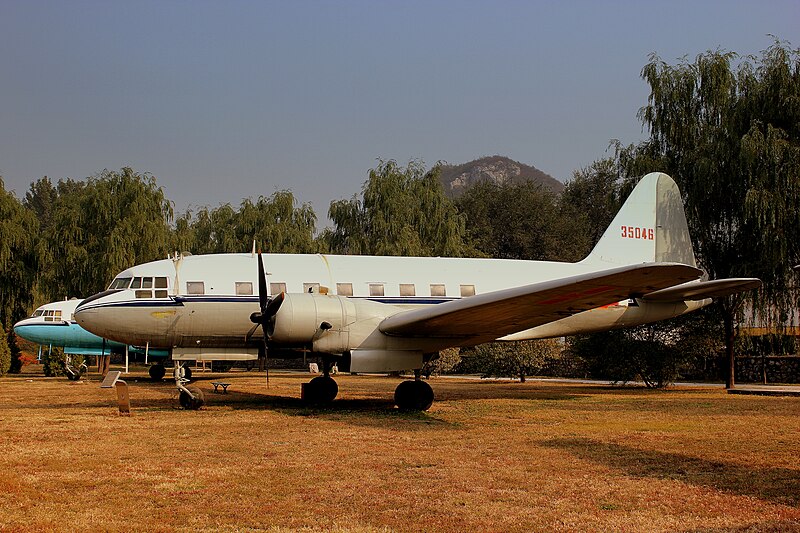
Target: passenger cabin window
244,288
120,283
195,287
277,288
467,290
311,287
376,289
344,289
437,289
407,289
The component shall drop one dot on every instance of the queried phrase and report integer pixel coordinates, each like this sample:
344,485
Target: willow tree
18,230
99,227
728,131
402,211
277,224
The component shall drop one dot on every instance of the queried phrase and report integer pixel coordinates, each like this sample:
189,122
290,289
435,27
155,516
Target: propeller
265,316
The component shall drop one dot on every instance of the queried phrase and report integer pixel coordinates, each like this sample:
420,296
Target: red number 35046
632,232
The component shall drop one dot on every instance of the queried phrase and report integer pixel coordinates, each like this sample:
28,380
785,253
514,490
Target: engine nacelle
317,319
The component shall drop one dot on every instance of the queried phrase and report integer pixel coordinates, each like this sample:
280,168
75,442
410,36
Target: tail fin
651,226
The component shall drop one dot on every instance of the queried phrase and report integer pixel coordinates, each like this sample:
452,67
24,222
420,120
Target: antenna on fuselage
253,253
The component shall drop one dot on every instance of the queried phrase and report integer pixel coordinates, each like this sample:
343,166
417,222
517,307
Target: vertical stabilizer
650,226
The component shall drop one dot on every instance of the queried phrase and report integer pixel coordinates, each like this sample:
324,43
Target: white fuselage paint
217,321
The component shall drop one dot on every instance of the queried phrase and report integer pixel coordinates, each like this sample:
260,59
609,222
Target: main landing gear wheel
157,372
189,403
187,372
414,395
321,390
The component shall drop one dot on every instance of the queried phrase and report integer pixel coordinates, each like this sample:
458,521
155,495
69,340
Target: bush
442,363
53,363
511,359
16,353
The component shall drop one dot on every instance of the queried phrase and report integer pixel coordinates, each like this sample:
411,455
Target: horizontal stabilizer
700,290
494,314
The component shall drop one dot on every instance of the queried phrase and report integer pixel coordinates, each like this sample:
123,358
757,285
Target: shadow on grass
366,411
776,485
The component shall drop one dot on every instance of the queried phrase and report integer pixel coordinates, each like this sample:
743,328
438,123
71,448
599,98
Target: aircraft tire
157,372
321,390
187,372
189,403
73,376
414,395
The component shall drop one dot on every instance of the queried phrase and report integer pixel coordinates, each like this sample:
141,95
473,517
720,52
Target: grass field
489,456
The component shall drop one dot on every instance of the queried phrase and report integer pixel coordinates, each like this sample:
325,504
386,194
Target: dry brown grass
490,456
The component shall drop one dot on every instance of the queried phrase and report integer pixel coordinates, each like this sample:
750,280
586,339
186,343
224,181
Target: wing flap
700,290
495,314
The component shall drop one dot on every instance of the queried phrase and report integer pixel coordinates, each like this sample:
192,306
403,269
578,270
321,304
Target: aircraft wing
495,314
700,290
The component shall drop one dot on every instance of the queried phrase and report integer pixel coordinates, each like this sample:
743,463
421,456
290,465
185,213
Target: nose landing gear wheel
414,395
189,403
321,390
157,372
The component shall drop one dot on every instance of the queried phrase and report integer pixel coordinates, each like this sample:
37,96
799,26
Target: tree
595,194
276,224
402,211
728,132
522,221
18,228
100,227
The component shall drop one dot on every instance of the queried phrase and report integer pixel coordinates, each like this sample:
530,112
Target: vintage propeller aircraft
382,314
53,324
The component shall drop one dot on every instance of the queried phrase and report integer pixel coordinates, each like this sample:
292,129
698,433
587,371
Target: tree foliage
728,131
510,359
99,227
18,265
5,352
402,211
275,223
522,221
595,194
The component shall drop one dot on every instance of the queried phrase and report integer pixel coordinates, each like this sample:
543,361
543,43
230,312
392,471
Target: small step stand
123,397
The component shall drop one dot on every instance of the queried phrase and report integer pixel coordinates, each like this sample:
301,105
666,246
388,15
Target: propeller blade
274,305
262,285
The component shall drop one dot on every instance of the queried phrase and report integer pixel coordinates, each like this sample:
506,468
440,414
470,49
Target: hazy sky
226,100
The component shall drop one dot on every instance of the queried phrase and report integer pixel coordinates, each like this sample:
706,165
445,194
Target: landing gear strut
191,398
322,389
414,395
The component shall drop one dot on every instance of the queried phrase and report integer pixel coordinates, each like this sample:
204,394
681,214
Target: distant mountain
499,169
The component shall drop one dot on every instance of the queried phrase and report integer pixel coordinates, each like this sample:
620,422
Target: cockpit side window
137,283
120,283
161,282
48,315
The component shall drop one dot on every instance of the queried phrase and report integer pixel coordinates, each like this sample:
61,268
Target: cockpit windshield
120,283
38,312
